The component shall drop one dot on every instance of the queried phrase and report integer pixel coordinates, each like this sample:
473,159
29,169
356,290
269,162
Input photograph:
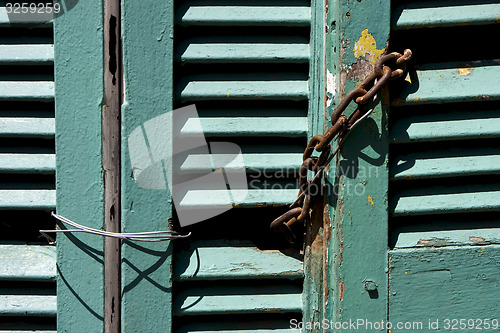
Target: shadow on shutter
246,67
27,177
445,126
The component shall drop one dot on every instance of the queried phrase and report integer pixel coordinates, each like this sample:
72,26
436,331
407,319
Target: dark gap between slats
28,288
21,226
232,322
443,45
26,323
251,224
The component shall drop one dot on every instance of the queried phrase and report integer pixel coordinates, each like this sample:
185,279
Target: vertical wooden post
79,99
359,182
111,160
147,33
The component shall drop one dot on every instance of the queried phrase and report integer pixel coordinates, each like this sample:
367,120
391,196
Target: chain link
391,66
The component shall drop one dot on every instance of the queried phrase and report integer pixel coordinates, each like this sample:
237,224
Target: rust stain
477,239
341,290
408,176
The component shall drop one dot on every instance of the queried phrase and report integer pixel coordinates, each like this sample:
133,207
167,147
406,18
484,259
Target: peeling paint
341,290
330,87
370,200
465,71
366,45
477,239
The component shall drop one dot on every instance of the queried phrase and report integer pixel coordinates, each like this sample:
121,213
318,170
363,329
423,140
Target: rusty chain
388,67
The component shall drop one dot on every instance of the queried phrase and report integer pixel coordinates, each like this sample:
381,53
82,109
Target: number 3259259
32,8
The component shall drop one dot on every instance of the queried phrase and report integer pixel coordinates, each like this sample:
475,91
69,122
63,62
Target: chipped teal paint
451,282
477,233
79,86
313,291
429,15
147,33
27,263
451,83
358,250
233,260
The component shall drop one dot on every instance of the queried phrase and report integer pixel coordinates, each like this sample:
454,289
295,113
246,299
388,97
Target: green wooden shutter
246,67
27,173
444,165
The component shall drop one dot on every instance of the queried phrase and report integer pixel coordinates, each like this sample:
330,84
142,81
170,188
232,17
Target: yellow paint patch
370,200
406,272
482,299
483,248
465,71
416,99
408,176
366,45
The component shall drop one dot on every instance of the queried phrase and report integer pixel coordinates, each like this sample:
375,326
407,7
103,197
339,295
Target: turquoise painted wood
233,260
256,163
27,127
27,199
436,127
27,263
28,163
27,91
446,83
238,300
411,203
358,205
477,233
424,14
27,305
228,15
254,198
79,99
246,53
26,54
466,278
147,69
423,166
244,90
247,126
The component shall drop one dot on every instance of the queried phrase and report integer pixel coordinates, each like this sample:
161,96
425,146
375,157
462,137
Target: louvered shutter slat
421,167
203,301
431,15
205,199
246,53
253,162
435,128
460,83
28,305
26,54
30,91
244,90
27,127
28,163
246,15
28,199
245,126
27,263
204,260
